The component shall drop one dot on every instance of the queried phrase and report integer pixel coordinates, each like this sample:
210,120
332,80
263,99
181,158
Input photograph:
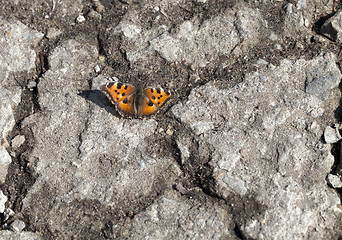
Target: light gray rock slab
196,43
5,161
16,53
3,200
9,235
85,152
8,101
322,79
175,217
259,145
332,28
57,128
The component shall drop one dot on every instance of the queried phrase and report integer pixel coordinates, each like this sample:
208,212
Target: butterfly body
135,102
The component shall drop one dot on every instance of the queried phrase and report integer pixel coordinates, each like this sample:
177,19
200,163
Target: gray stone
94,15
195,43
321,80
85,151
3,200
17,225
16,53
97,68
288,8
235,184
174,217
8,101
9,235
53,33
334,181
98,6
5,161
80,19
17,141
184,151
258,144
332,28
8,213
31,84
332,135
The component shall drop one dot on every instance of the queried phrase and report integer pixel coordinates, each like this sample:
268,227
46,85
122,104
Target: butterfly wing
122,96
157,96
116,92
147,109
126,107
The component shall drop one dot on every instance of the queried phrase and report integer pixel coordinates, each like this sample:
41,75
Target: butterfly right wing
122,96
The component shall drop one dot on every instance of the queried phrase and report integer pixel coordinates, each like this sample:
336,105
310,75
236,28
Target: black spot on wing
123,94
109,85
150,104
119,85
158,90
125,101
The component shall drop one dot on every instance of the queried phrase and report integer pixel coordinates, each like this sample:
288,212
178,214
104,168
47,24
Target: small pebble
126,1
31,84
98,6
288,8
331,135
102,58
334,181
80,19
278,47
97,68
169,132
53,33
17,225
299,45
17,141
94,15
8,213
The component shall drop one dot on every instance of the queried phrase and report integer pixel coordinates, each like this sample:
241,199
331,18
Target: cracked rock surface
247,148
251,136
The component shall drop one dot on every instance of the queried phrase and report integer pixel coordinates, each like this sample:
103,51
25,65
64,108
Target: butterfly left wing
122,96
117,92
157,96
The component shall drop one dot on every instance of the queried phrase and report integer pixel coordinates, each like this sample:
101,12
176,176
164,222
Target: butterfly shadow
101,100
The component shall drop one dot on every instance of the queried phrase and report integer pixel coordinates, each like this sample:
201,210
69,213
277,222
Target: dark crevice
101,48
238,233
21,174
319,23
336,152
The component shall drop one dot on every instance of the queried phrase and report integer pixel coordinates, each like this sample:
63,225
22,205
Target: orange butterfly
135,102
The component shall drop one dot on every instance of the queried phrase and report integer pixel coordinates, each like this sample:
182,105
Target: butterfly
135,102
